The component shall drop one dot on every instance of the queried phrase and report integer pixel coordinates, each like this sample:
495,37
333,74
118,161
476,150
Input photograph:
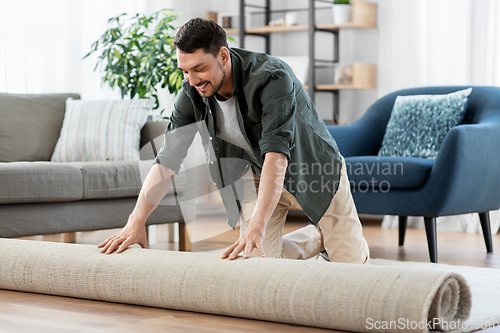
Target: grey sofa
39,197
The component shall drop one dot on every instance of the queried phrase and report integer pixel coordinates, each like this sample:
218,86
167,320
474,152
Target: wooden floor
25,312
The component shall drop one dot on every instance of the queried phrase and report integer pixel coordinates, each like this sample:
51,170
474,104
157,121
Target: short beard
217,88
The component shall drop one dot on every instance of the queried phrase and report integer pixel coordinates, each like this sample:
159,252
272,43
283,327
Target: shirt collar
236,68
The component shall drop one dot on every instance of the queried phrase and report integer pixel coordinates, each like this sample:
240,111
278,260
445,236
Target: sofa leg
171,232
430,230
184,242
484,218
69,237
403,220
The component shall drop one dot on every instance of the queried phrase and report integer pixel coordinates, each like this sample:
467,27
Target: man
255,110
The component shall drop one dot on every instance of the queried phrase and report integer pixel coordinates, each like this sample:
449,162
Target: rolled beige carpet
360,298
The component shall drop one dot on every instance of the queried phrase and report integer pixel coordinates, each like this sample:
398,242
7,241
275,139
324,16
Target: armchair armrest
358,138
467,170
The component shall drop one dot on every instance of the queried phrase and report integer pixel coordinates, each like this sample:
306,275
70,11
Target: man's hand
155,187
133,233
252,238
270,188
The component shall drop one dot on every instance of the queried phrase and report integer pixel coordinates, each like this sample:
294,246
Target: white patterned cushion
101,130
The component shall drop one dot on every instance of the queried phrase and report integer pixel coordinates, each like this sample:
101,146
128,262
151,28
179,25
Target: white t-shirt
229,129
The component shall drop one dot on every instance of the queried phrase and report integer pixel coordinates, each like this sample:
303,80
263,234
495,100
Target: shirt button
211,162
215,184
211,138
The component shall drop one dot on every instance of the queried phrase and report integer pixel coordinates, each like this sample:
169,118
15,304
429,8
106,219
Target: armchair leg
484,218
402,229
430,230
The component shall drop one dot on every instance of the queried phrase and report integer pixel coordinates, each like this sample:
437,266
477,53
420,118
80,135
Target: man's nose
193,81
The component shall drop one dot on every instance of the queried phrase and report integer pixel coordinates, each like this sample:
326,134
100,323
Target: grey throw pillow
419,123
30,125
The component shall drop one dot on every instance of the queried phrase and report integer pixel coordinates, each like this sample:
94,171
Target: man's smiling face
202,70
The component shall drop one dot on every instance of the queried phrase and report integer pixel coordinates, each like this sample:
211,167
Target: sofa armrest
151,131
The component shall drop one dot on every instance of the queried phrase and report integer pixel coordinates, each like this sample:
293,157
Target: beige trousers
342,232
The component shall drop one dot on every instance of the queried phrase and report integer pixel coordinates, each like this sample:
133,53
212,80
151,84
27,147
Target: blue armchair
464,178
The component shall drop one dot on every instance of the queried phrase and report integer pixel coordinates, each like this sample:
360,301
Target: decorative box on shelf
358,76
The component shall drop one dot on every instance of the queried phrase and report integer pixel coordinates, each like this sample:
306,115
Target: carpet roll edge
464,305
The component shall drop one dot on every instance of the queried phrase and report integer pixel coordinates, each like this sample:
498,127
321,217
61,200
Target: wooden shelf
331,87
265,30
364,76
232,31
335,27
364,15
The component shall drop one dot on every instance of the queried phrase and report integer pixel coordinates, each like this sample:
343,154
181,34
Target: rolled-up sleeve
179,134
278,114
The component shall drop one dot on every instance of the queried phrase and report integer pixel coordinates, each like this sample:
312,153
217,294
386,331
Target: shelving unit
364,15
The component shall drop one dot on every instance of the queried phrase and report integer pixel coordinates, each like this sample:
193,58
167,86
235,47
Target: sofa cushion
381,172
109,179
116,179
30,125
107,130
23,182
419,123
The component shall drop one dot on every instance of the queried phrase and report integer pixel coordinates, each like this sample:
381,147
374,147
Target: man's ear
224,54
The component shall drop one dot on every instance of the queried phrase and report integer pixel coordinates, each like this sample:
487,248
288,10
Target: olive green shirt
275,114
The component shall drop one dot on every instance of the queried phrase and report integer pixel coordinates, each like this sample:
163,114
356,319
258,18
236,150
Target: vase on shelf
342,13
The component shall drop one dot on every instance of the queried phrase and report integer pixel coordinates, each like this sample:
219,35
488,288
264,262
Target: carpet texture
328,295
484,288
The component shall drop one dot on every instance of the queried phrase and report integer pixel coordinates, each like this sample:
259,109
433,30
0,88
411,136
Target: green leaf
165,81
88,54
124,78
157,102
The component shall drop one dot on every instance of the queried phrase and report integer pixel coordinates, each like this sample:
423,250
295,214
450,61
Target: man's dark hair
200,33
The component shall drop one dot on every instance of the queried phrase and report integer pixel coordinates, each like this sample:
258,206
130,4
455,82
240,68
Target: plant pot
342,14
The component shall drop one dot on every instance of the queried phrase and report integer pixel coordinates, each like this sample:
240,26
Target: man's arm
178,138
155,187
270,188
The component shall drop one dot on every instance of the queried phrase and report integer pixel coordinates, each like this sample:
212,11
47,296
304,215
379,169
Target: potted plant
137,55
342,11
